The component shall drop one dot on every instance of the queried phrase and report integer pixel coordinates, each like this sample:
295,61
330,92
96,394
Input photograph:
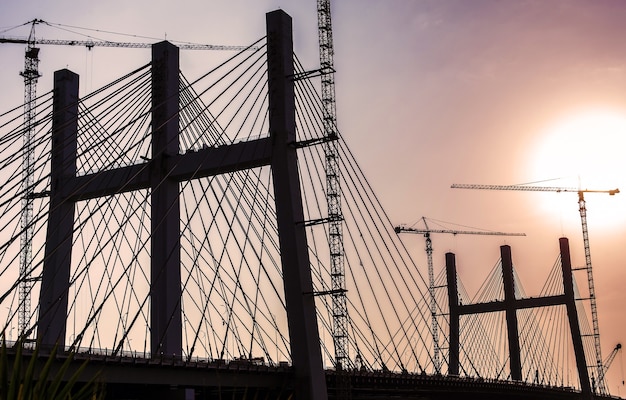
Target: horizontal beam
495,306
198,374
141,371
205,162
220,160
151,375
106,183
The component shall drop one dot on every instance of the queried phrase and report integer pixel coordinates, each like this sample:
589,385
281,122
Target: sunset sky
429,93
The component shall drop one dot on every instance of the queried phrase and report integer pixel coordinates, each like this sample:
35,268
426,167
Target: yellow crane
31,75
426,231
583,218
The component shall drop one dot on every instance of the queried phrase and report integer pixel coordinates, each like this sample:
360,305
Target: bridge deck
128,377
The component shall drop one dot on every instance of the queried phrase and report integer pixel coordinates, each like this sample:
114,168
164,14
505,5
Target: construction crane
609,360
333,186
607,363
31,76
431,273
32,41
583,218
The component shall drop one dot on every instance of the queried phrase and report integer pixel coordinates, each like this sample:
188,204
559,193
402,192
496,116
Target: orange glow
585,151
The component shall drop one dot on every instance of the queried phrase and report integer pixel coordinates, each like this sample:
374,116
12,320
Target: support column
53,298
453,305
165,286
511,313
572,315
303,331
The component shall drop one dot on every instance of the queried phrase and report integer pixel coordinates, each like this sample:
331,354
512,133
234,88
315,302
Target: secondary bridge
179,221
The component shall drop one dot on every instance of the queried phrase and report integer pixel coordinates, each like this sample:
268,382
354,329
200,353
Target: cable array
547,353
232,303
13,192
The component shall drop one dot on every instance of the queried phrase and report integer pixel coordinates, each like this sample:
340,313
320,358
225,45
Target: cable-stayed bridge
178,238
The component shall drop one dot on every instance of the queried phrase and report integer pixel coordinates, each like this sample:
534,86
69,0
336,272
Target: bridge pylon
162,175
510,306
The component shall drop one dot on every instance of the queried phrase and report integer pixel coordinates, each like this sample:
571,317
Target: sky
429,93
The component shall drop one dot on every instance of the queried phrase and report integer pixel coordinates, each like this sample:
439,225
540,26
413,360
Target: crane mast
431,293
582,208
433,302
592,291
333,186
431,275
30,75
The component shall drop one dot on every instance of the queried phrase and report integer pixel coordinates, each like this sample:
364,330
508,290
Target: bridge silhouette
179,241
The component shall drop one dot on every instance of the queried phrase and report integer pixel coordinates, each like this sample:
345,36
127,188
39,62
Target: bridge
175,234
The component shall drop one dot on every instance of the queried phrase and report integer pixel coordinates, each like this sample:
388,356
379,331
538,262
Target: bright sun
586,151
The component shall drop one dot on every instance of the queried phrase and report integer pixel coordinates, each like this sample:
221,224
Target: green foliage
24,381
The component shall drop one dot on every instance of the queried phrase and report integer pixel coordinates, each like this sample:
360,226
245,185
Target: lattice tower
31,75
333,186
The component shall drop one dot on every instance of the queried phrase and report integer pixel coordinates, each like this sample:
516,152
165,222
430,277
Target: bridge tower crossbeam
510,305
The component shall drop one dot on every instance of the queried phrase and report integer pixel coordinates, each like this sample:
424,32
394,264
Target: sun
585,151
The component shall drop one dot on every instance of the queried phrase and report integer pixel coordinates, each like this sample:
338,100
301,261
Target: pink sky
430,93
